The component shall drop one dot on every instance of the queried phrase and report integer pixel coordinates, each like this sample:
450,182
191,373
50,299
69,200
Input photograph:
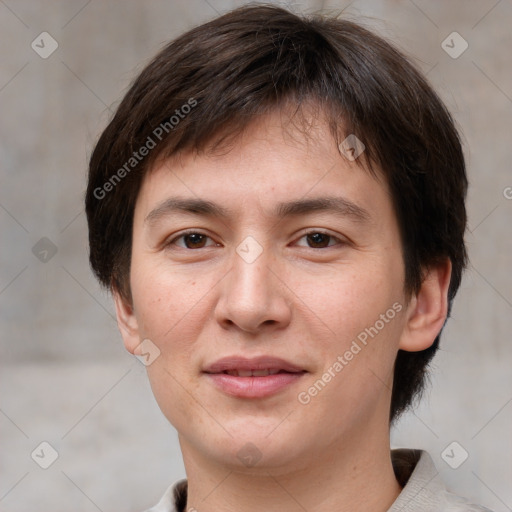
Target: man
278,208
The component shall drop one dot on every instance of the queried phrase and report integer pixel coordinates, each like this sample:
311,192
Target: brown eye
191,240
318,240
195,240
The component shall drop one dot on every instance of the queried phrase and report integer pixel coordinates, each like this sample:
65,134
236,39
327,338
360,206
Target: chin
254,449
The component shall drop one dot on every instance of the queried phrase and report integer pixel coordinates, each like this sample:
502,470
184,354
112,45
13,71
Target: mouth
255,373
253,378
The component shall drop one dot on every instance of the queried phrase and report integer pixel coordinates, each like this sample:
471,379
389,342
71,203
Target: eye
191,240
320,240
196,240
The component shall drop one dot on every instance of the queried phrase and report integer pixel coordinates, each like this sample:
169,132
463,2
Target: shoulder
454,503
174,498
423,489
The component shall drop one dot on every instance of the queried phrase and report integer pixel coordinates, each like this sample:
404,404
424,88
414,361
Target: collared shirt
423,489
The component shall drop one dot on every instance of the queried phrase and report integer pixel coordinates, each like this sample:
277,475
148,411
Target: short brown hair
253,60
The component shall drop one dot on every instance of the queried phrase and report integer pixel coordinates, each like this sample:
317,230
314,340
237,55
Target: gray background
65,377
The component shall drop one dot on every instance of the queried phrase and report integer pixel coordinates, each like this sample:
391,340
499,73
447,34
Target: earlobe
127,323
427,310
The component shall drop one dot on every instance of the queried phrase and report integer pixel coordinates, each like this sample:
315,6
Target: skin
304,300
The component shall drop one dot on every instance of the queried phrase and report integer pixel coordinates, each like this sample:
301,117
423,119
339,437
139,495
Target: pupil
195,239
317,238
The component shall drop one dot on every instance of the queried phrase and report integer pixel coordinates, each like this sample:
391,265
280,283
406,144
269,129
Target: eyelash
195,232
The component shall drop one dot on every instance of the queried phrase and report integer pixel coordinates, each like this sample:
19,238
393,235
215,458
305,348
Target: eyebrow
330,204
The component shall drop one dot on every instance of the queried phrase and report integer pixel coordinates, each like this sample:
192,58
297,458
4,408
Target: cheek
175,396
167,302
172,314
346,301
356,378
362,317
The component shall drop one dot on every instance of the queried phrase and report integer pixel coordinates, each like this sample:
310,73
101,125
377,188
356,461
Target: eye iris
195,240
316,239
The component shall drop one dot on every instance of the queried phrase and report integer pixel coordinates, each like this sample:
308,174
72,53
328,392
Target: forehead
274,160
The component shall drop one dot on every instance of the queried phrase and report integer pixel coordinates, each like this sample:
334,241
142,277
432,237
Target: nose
254,296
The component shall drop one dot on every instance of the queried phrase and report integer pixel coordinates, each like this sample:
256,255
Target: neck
356,478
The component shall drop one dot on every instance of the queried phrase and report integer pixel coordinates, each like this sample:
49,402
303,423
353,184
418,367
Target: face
289,261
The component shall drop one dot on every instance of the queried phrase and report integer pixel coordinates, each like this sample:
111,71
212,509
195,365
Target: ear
127,323
427,310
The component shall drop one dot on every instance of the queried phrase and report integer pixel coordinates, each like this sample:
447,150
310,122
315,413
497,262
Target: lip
255,363
253,386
